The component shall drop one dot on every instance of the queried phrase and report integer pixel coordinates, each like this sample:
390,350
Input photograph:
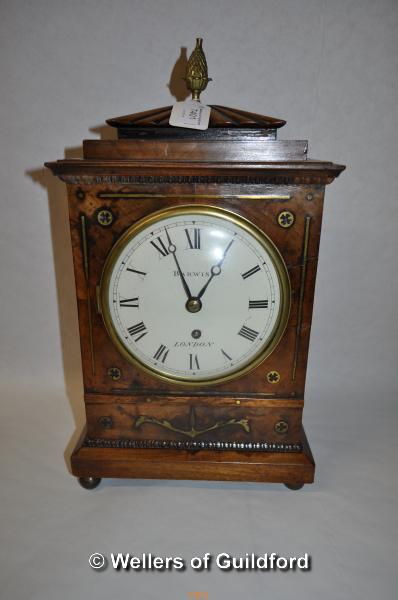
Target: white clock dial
195,294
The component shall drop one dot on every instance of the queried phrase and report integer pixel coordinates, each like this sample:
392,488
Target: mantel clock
195,255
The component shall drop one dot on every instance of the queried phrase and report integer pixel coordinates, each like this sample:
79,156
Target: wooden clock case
139,426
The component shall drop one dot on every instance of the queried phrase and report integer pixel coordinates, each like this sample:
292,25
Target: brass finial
196,73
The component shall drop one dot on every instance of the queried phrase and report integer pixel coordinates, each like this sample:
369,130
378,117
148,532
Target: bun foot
294,486
89,483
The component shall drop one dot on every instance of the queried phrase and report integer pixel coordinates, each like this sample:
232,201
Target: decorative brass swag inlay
193,432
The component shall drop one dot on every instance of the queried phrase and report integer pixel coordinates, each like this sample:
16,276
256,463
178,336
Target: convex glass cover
195,295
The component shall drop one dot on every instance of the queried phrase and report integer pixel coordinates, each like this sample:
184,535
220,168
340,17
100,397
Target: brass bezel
248,226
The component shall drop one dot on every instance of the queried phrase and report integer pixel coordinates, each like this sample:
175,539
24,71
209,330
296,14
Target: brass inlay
98,299
105,217
304,260
193,432
84,246
196,77
106,422
86,277
114,373
286,219
281,427
273,377
192,196
212,445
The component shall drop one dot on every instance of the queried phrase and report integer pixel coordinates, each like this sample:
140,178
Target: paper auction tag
191,114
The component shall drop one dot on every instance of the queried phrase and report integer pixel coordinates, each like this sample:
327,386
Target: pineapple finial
196,73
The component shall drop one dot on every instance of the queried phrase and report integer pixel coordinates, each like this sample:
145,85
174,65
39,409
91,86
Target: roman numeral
130,302
193,362
225,354
160,247
250,272
249,334
161,353
195,243
258,303
135,271
138,329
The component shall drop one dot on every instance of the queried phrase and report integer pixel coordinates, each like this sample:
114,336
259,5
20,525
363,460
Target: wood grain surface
254,179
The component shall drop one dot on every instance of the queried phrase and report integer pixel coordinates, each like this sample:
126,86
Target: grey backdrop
330,69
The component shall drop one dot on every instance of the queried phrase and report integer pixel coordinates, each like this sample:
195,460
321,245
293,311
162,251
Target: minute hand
172,249
215,270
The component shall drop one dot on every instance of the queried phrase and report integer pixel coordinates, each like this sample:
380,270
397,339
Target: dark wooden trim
198,150
203,398
78,171
180,133
217,445
221,117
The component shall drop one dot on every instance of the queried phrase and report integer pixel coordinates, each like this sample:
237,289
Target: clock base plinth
291,468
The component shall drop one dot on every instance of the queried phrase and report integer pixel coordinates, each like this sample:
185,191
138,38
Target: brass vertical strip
303,276
86,276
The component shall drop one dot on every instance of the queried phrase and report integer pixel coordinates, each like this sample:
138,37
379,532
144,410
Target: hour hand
172,249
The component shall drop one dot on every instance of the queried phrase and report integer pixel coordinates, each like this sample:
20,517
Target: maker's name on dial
193,344
192,273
